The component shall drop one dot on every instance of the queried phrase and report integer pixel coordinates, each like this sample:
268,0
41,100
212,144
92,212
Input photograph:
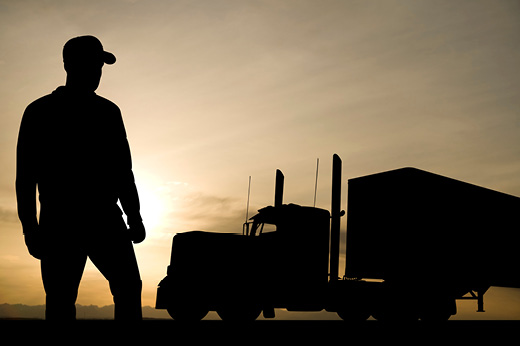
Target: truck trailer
416,242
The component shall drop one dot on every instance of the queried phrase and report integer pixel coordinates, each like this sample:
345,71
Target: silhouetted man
72,149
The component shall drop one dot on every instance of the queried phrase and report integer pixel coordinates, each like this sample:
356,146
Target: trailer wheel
353,315
438,311
235,313
396,311
395,304
396,316
187,314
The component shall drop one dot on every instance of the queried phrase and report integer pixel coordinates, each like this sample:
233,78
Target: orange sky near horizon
213,92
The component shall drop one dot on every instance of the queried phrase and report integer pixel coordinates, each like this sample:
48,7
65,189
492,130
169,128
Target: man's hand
137,232
34,243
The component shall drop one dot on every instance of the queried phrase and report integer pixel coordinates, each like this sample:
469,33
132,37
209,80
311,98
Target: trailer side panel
415,225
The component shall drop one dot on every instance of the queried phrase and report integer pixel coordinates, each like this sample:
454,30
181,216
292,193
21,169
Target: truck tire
353,315
396,310
187,314
437,311
235,313
396,302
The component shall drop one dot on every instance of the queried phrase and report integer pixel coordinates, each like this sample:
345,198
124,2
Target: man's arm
128,195
26,182
26,173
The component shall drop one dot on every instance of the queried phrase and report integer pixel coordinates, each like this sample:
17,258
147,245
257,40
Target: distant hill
94,312
21,311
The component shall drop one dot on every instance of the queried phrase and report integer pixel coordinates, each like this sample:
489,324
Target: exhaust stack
278,189
336,214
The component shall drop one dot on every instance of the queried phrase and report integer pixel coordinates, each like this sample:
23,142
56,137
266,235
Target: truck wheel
435,316
439,311
353,315
239,313
390,312
187,314
396,316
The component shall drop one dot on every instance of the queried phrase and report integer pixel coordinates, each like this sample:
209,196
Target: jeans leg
61,275
115,259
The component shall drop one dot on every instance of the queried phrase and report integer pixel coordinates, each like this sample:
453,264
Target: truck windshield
255,229
268,228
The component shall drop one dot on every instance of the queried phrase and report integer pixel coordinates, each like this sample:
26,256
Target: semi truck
416,242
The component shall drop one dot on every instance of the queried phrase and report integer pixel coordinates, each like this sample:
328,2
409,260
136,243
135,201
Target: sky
213,92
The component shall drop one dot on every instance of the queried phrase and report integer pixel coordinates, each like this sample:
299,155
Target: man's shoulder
49,99
60,96
41,101
41,104
106,103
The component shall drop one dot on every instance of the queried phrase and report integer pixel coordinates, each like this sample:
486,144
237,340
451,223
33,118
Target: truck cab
279,261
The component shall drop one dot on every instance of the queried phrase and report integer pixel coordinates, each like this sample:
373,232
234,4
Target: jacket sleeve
26,171
128,195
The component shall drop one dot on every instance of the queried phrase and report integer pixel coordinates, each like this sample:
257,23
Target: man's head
84,57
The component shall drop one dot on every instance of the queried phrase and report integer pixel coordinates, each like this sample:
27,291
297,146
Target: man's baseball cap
86,49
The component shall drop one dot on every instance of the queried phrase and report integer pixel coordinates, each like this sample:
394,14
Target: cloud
193,209
8,215
11,259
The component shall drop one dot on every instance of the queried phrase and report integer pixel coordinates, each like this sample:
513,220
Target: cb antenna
316,182
248,194
245,228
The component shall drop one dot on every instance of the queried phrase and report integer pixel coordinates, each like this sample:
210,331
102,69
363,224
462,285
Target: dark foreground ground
153,332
